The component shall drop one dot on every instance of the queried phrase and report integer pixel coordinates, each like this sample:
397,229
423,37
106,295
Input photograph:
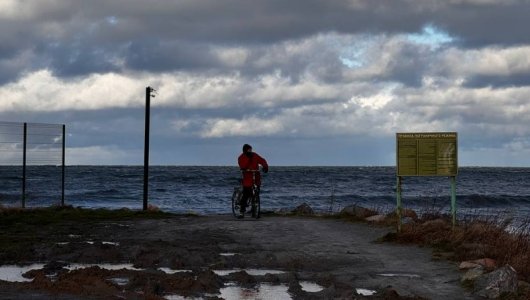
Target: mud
340,256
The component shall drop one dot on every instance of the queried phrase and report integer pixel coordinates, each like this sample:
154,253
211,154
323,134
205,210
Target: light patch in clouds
376,101
233,57
251,126
432,36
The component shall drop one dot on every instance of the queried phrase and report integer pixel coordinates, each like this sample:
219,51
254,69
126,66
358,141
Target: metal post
398,198
24,148
63,165
146,145
453,199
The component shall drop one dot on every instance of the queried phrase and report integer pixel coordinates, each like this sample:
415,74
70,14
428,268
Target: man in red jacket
249,163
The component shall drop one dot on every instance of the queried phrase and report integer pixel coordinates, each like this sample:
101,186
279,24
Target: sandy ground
338,255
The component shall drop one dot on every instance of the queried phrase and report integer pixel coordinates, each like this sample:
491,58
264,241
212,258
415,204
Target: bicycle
253,201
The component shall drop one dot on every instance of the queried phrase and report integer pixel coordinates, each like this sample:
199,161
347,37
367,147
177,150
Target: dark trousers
247,193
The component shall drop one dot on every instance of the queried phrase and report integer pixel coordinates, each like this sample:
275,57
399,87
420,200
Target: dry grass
473,238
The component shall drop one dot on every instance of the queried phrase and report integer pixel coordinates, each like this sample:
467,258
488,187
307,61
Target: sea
207,190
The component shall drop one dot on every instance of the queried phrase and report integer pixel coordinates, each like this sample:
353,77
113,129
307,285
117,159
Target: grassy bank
472,239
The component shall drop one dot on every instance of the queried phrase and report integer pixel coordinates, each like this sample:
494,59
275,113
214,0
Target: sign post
427,154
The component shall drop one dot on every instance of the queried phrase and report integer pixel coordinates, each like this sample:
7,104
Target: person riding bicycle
249,164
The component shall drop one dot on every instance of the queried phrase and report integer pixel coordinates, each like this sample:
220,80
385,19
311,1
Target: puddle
14,273
311,287
178,297
262,291
121,281
74,236
89,242
252,272
228,254
171,271
365,292
62,243
111,243
72,267
399,275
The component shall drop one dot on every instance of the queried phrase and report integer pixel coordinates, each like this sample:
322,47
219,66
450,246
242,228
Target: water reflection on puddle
121,281
103,266
311,287
171,271
14,273
365,292
263,291
252,272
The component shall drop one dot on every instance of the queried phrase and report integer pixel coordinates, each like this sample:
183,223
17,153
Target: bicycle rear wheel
256,206
236,198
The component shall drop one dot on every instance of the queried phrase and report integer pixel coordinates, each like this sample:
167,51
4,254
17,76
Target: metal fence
32,164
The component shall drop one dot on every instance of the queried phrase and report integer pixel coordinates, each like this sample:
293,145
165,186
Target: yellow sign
427,154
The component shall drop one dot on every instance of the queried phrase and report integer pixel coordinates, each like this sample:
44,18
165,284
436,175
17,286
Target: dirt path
340,256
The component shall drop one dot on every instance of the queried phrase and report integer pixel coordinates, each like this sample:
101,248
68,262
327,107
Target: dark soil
340,256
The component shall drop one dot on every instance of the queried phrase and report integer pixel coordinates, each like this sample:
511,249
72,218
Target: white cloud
104,155
251,126
487,61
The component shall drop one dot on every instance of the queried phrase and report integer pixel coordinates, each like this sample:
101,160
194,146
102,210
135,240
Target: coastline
339,256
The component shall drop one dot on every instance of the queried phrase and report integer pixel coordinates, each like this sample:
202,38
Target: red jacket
252,163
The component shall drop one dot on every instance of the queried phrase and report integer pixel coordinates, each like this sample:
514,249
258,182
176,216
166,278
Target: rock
303,209
499,282
376,218
467,265
487,263
472,274
152,208
357,211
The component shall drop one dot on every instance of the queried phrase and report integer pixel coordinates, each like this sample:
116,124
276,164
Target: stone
487,263
376,218
499,282
472,274
357,211
153,208
467,265
303,209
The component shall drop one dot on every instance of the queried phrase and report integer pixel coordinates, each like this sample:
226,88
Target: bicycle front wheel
236,198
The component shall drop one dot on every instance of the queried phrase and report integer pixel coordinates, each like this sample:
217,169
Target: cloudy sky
306,82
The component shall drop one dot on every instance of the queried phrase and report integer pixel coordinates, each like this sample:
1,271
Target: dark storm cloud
498,81
158,56
171,35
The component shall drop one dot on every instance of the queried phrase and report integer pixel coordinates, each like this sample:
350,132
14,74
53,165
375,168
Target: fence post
453,200
24,148
63,164
399,204
146,145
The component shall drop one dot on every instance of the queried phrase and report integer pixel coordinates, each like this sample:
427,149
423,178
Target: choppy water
207,190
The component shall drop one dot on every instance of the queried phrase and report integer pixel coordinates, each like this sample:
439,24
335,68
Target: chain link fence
32,164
